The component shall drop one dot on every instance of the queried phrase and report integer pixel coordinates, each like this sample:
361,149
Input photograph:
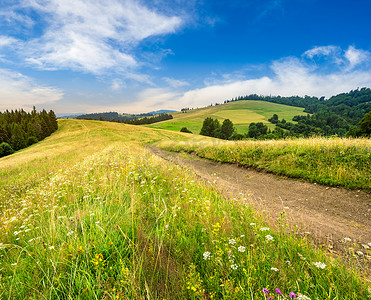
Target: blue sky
134,56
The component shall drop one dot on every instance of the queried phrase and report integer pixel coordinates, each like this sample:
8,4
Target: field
90,213
241,113
334,162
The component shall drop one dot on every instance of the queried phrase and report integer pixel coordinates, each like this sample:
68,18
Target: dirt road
327,214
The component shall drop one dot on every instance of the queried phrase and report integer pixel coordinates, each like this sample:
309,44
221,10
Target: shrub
5,149
185,129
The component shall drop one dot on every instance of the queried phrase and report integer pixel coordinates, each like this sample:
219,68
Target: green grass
334,162
109,220
241,113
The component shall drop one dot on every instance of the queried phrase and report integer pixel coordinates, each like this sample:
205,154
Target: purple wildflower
278,291
265,290
292,295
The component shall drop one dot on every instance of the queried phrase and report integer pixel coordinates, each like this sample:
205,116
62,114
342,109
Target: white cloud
117,84
92,36
356,56
19,91
291,76
323,51
7,41
175,83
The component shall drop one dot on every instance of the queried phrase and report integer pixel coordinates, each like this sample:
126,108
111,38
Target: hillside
89,213
241,113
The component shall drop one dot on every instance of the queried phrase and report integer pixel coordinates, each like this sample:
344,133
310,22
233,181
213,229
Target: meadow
333,162
90,213
241,113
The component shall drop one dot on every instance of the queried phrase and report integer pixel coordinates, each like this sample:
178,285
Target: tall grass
334,162
121,223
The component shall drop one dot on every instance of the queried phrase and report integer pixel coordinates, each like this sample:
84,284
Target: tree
18,139
365,124
274,119
210,127
5,149
227,129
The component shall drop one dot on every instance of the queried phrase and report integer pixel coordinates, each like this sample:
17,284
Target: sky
134,56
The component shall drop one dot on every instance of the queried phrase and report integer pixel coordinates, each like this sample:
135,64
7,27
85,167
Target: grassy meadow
90,213
241,113
334,162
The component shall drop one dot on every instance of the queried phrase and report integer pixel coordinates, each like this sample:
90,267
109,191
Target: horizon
138,56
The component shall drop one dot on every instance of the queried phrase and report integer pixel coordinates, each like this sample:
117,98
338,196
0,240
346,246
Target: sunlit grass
112,221
336,162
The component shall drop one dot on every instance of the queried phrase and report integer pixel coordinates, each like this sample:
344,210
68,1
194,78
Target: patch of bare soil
326,214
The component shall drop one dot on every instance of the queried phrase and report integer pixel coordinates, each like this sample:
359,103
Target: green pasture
241,113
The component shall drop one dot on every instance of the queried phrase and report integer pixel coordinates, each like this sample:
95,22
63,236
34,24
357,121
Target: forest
19,129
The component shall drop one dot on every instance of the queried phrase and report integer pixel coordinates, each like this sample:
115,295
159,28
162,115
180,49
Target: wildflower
292,295
232,241
14,264
278,291
264,229
51,247
242,235
265,291
234,267
346,239
252,224
303,297
360,253
269,237
274,269
207,255
319,265
241,248
69,233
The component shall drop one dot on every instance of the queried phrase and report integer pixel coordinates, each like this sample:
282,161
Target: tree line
19,129
134,119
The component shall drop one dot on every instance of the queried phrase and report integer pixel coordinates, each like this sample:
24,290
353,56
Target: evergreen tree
227,129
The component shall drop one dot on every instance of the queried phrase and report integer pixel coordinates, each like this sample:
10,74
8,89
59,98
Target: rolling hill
90,213
241,113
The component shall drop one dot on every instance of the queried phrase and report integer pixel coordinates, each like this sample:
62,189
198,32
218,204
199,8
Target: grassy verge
121,223
334,162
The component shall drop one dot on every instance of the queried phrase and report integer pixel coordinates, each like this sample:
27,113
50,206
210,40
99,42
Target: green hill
90,213
241,113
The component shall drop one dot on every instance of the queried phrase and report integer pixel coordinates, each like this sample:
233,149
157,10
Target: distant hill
163,111
67,116
115,116
241,113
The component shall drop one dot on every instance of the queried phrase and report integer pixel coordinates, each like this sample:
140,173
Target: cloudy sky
134,56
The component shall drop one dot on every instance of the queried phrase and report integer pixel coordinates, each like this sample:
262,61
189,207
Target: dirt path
325,213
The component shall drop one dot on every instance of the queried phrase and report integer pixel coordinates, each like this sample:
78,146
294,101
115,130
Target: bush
185,129
32,140
5,149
